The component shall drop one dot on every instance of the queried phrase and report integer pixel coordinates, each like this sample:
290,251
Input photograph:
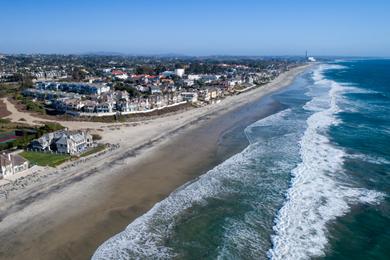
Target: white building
76,87
63,142
194,77
11,164
179,72
189,96
188,82
73,143
234,82
104,107
142,89
123,76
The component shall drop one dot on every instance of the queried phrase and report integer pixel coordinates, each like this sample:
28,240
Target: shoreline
69,216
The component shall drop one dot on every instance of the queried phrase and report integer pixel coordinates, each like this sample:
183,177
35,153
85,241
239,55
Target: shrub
4,121
96,137
51,127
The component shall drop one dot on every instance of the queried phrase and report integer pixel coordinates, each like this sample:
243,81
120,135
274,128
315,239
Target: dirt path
16,116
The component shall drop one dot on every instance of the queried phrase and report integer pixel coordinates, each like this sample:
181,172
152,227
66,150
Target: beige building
11,164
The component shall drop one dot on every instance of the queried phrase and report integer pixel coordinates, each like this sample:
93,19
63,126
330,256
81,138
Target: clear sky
197,27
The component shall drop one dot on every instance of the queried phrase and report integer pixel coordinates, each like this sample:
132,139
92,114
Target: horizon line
113,53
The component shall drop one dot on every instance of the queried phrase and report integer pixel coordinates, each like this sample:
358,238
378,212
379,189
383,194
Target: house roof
62,139
117,72
16,160
77,137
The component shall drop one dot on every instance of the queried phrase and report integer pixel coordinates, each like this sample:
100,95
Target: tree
144,69
26,81
78,74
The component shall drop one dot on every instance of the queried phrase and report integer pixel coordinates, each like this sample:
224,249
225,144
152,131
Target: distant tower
306,54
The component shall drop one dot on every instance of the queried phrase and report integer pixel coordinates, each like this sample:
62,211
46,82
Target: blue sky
197,27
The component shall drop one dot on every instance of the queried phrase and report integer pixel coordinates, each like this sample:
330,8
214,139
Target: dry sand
68,215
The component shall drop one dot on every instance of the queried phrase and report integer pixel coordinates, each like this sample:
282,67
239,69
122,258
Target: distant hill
112,53
105,53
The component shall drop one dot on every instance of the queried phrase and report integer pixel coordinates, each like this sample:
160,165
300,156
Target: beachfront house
73,143
105,107
11,164
189,96
63,141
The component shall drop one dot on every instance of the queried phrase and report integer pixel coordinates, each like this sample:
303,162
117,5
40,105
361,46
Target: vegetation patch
30,104
96,137
93,150
45,159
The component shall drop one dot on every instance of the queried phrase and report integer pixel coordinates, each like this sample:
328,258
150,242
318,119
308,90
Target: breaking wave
316,195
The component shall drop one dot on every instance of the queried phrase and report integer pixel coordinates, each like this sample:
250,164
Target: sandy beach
69,213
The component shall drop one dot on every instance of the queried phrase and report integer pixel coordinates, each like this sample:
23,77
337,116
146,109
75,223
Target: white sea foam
370,158
315,197
354,105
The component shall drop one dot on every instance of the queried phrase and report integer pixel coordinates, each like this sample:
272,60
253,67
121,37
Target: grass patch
4,121
45,159
93,150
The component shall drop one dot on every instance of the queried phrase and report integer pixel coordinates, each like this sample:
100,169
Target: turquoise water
364,232
312,183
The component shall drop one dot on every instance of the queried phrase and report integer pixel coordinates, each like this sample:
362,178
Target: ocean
313,183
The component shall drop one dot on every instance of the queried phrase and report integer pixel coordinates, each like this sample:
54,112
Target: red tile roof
117,72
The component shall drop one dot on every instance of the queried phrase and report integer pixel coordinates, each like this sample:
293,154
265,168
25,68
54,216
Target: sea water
312,183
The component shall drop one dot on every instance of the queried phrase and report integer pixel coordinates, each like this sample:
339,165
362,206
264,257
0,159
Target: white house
188,82
189,96
119,74
104,107
73,143
194,77
63,142
142,88
11,164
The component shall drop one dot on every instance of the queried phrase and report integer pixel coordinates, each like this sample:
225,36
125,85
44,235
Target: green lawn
93,150
45,159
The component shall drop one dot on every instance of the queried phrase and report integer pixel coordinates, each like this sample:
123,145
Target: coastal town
112,86
112,89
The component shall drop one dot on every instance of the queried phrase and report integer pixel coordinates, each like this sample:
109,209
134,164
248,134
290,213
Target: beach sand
69,215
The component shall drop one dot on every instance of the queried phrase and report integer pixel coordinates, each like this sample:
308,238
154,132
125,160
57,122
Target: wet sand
72,222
